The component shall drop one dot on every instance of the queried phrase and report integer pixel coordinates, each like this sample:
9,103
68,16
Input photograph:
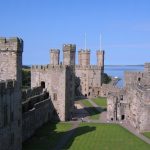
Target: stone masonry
90,75
58,79
132,104
10,93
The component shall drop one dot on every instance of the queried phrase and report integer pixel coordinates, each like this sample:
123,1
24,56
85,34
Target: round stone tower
84,57
69,51
100,58
54,56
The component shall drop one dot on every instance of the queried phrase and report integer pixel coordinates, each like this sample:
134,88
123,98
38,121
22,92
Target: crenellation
31,92
84,51
11,44
69,47
94,67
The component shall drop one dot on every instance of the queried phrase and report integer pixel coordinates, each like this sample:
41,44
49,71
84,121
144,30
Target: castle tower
84,57
69,51
11,59
54,56
100,58
10,93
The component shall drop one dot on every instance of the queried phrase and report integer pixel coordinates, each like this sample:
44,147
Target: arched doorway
43,84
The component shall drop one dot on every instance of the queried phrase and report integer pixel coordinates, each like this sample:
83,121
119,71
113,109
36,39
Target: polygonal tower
100,58
54,56
84,57
10,93
11,59
69,51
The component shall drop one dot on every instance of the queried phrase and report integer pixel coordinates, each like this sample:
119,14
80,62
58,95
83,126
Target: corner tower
54,56
10,93
100,58
69,51
84,57
11,59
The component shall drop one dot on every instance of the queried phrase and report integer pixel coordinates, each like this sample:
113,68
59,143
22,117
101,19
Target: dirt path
103,115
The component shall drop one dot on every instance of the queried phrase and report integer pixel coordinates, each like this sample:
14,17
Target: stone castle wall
134,104
90,75
56,79
37,110
10,95
138,110
31,92
10,116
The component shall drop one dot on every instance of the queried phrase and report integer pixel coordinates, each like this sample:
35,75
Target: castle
52,92
132,103
54,87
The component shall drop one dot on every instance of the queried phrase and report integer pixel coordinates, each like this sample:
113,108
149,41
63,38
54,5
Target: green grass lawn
147,134
100,101
47,137
94,113
104,137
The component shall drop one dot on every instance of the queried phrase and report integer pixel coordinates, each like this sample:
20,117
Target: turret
84,57
69,51
54,56
100,58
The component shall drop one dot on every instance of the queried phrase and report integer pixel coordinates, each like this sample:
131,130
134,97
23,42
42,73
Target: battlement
69,47
31,92
98,52
11,44
147,67
93,67
48,67
84,51
53,50
7,85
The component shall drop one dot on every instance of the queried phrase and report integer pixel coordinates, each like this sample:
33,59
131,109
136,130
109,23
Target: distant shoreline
124,65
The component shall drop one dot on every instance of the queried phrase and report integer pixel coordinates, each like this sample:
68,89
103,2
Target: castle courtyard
91,133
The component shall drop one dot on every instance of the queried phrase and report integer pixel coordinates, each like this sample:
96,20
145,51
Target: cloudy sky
45,24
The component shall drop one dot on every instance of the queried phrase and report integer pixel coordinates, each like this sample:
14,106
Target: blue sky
45,24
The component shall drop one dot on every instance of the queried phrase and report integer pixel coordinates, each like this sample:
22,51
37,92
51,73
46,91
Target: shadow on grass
49,137
89,111
78,132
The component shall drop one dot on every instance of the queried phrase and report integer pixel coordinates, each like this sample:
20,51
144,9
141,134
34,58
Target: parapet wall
132,77
84,51
12,44
37,109
100,52
31,92
88,67
69,47
147,67
53,50
41,113
49,67
7,86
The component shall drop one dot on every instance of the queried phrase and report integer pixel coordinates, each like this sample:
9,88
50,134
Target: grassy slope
94,113
105,137
47,136
100,101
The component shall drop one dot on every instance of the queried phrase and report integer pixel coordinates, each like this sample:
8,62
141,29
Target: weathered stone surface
133,103
10,93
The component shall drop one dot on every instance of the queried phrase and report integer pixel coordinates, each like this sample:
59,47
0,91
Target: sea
118,71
